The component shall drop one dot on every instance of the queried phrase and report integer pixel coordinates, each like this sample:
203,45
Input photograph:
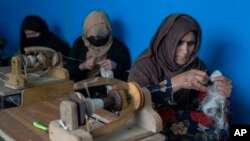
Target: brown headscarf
97,24
157,63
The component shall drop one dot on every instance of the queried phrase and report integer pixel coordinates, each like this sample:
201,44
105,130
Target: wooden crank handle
137,100
39,49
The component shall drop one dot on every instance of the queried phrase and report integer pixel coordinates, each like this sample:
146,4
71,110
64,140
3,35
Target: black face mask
98,40
35,41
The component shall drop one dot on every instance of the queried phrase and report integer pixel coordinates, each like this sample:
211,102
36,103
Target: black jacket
118,53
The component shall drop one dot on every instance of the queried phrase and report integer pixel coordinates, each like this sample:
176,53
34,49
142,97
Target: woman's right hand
87,65
192,79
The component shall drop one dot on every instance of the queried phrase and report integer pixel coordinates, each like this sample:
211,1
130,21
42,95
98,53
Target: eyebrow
187,41
191,41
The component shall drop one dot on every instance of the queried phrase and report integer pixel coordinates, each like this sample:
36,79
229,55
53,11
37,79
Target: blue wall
225,24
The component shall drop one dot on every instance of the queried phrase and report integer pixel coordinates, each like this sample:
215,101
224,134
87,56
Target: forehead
189,36
98,29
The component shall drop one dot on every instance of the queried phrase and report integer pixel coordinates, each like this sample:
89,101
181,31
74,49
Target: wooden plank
46,92
128,132
104,116
16,123
155,137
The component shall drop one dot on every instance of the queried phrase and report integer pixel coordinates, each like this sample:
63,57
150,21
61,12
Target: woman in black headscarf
178,80
35,32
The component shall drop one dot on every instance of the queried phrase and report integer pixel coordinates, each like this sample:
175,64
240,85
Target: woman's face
185,48
31,33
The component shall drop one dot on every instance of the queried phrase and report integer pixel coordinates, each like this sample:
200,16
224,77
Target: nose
184,48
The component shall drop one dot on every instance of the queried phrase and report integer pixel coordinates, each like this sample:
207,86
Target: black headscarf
46,38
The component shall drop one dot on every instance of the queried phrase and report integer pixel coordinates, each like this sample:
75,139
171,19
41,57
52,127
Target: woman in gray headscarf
177,78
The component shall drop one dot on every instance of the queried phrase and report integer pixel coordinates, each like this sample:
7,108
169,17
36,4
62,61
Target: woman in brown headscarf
177,78
97,48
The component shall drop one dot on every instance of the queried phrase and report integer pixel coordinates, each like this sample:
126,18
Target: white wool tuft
213,106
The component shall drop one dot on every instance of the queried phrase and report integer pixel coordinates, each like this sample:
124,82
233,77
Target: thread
87,123
94,105
73,59
86,89
173,86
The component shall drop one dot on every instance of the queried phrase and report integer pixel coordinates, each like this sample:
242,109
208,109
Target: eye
191,43
180,43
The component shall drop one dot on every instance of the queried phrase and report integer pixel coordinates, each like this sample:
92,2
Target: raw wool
213,106
30,61
55,59
94,105
41,58
107,74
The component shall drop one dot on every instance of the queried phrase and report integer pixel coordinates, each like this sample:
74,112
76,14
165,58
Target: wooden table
16,123
40,89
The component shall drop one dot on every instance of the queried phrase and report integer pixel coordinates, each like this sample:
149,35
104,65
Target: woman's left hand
223,85
108,64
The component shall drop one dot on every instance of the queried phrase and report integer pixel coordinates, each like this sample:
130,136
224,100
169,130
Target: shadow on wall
220,54
4,60
11,45
239,108
225,53
217,53
57,30
118,30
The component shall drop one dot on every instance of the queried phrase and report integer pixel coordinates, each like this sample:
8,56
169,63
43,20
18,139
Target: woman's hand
192,79
223,85
87,65
108,64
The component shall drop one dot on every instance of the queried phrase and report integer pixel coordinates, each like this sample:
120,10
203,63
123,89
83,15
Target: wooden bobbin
137,97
